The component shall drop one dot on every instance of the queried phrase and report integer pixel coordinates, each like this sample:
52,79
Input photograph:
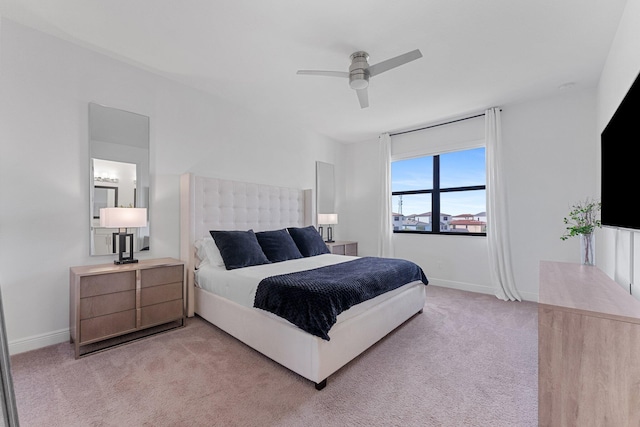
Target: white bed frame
211,203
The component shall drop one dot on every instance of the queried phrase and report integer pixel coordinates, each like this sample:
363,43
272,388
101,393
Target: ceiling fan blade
324,73
363,97
387,65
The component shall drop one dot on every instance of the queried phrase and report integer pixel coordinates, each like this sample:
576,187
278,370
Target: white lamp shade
123,217
328,218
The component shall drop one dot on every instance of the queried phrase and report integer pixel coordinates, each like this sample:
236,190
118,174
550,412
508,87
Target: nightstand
112,304
343,248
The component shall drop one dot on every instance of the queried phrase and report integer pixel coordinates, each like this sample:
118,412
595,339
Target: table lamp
328,219
122,219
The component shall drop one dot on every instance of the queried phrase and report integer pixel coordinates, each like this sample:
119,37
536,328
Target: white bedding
239,285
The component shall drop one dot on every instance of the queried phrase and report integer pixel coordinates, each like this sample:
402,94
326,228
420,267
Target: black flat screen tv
620,173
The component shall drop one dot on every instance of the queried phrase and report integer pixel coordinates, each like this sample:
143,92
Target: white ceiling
476,53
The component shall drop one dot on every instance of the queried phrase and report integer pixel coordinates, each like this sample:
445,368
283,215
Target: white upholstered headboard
218,204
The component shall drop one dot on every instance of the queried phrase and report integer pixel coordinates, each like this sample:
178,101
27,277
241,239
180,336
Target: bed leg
322,384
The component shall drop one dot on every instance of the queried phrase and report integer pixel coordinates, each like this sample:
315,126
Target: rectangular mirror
119,171
325,188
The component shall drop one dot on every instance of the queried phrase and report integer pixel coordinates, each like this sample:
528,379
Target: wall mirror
325,188
119,171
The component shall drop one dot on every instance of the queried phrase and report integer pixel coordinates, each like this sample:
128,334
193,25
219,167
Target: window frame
435,198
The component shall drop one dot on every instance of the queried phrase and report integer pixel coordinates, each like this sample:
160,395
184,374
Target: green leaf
582,218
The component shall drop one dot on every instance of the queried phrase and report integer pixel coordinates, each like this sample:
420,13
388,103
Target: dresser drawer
161,275
100,284
104,326
338,250
161,313
107,304
351,249
162,293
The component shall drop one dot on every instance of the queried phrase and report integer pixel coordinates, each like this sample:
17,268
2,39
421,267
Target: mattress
239,285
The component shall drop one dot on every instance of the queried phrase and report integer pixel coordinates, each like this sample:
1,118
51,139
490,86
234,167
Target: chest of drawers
588,346
111,304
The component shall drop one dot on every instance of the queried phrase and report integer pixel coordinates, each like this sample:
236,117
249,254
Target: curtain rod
439,124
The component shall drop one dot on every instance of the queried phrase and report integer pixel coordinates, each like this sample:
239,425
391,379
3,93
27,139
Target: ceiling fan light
358,80
358,84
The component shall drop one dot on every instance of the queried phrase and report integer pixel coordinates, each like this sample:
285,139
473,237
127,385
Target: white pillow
208,252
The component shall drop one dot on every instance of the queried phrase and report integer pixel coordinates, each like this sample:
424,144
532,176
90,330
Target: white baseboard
529,296
38,341
472,287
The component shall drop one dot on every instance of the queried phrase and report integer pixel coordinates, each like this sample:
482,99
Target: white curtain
385,241
497,218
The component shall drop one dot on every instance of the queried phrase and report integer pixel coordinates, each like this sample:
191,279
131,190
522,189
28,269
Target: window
448,190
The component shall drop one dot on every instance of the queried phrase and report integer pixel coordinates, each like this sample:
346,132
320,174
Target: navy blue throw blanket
313,299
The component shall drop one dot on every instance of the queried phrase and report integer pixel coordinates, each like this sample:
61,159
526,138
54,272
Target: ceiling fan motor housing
358,73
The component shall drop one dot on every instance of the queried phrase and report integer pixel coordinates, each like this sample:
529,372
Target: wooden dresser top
86,270
585,289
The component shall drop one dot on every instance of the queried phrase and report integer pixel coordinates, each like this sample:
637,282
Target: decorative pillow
278,245
308,240
208,252
239,248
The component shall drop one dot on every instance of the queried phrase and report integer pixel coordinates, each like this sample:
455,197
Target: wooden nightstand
113,304
343,248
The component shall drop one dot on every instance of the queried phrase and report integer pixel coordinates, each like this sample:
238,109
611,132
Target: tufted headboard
218,204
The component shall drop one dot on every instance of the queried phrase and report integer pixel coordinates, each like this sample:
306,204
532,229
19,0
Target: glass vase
587,249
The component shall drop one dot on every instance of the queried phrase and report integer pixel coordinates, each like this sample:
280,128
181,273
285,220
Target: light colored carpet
468,360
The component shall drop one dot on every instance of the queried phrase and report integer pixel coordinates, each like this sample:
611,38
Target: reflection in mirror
104,197
119,160
325,188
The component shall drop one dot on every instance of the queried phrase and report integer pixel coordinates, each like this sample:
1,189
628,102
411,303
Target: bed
223,298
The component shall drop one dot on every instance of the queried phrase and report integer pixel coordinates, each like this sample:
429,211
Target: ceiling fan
360,71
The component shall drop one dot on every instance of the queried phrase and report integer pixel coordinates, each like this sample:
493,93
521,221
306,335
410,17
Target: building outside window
449,186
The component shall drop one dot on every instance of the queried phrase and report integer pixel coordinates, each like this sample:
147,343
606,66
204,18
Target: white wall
550,150
45,87
551,155
613,248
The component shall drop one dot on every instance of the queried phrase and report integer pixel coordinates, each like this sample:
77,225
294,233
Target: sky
457,169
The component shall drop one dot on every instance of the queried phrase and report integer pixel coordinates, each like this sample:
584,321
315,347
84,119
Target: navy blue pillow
278,245
239,248
308,241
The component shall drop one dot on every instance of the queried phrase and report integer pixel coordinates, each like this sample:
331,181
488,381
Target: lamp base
329,235
125,261
123,236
